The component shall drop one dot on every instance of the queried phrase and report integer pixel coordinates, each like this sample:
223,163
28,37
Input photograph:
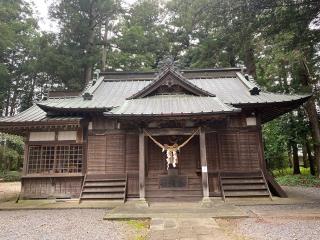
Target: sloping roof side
179,104
35,114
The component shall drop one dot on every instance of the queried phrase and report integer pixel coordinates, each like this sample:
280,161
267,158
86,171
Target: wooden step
104,184
99,187
241,177
103,190
245,187
242,181
240,184
101,196
264,193
106,180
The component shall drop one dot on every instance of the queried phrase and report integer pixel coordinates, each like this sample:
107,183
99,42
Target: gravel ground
280,222
269,228
61,224
310,193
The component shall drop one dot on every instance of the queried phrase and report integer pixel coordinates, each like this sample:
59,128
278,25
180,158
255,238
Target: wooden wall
237,150
114,154
188,165
227,150
51,187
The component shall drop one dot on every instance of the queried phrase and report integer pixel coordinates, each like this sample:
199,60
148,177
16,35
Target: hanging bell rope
172,157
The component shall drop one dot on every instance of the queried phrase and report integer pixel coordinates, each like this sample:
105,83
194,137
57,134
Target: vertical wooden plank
141,166
25,157
204,165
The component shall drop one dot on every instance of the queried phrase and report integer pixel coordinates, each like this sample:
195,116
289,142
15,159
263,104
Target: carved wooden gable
170,81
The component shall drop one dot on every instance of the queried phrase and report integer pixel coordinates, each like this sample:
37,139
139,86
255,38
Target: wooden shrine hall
167,135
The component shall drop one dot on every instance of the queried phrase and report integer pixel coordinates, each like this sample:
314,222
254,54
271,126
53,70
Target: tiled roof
35,114
111,93
171,105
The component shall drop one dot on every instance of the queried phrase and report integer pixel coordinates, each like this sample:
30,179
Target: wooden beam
204,165
141,166
171,131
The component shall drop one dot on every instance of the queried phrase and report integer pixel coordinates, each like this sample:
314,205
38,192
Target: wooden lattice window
41,159
55,159
68,159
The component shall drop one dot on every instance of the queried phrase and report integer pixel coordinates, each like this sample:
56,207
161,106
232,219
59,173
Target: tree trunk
311,110
296,167
304,155
315,131
249,61
311,160
90,42
104,47
289,156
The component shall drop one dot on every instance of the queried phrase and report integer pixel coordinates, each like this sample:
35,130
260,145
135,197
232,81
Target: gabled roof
114,90
169,77
116,87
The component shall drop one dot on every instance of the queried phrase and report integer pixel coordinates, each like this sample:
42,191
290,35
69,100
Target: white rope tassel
175,158
168,158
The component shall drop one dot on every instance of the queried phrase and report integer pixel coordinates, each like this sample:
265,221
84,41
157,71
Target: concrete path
185,229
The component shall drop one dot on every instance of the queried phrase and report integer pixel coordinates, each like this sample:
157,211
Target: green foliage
275,144
288,171
142,39
138,224
11,153
11,176
299,180
284,177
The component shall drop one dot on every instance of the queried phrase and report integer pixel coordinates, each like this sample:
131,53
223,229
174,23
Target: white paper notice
204,169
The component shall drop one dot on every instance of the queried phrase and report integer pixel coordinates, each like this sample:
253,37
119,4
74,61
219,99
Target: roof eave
47,108
108,114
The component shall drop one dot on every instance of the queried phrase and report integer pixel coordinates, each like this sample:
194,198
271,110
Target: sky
41,8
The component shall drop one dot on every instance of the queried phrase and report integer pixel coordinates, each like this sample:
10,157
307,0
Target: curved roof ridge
153,85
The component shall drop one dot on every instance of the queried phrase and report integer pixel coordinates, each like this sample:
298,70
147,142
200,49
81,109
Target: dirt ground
9,190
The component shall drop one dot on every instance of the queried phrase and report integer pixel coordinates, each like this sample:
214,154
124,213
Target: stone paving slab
175,210
186,229
58,204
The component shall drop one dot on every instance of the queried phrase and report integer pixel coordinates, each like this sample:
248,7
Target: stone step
173,193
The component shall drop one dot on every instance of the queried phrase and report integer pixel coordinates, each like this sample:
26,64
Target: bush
12,176
11,152
286,178
299,180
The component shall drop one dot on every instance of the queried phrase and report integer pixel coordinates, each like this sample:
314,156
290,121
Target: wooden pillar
141,166
204,165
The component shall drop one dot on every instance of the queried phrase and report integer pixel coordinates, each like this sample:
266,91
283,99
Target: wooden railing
221,187
270,195
125,189
83,183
